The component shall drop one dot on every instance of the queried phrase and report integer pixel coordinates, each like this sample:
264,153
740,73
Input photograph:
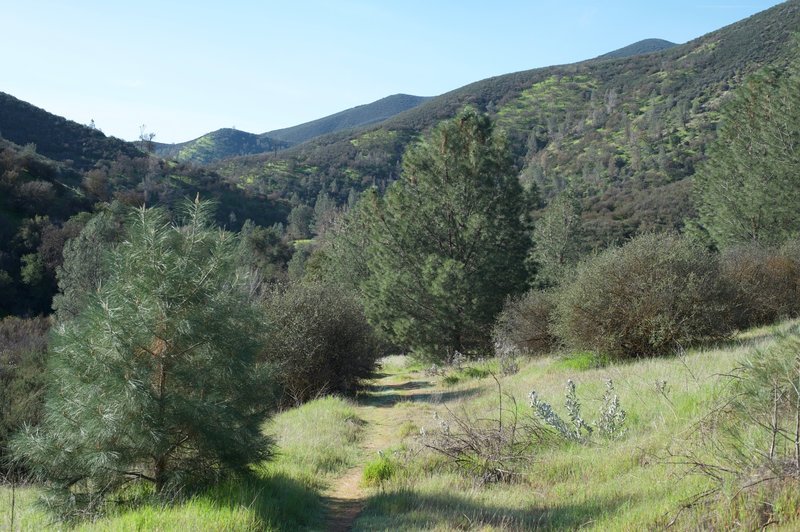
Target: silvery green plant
573,407
612,416
610,423
549,416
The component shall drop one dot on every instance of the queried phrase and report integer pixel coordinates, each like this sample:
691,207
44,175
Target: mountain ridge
645,46
227,142
56,137
622,128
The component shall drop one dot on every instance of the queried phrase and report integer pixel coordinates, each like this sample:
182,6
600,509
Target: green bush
524,324
763,283
655,294
23,353
319,339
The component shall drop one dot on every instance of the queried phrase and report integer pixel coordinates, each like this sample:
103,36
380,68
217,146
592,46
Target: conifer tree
448,241
156,380
749,188
556,238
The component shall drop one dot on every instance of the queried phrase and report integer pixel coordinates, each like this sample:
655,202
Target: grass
314,443
629,484
317,441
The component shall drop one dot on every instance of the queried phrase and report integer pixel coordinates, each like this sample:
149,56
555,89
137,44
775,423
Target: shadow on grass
404,510
388,396
279,502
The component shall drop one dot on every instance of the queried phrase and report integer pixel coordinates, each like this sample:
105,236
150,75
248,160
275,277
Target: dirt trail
345,498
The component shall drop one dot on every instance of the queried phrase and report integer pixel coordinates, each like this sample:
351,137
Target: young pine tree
156,380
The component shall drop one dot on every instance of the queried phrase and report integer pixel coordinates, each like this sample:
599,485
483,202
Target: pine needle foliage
748,191
448,241
155,382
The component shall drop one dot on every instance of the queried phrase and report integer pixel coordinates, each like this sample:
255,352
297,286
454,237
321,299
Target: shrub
763,283
524,324
654,294
23,350
319,339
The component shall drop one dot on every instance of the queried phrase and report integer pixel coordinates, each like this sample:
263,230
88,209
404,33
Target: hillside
361,115
58,138
646,46
225,143
614,128
219,145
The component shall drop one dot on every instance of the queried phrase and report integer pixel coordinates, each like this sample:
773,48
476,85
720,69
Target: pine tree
556,237
448,242
748,189
156,380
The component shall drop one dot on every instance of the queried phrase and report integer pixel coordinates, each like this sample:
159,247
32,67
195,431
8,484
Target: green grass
379,470
314,443
317,441
629,484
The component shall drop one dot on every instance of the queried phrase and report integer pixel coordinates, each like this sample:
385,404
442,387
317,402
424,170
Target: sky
183,69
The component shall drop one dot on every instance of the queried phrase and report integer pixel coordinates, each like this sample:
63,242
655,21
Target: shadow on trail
389,395
341,513
407,510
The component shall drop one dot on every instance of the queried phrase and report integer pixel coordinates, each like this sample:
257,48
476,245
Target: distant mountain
57,138
218,145
225,143
647,46
361,115
626,132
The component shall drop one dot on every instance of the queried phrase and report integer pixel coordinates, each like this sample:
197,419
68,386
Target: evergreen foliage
557,239
156,380
448,242
23,353
748,190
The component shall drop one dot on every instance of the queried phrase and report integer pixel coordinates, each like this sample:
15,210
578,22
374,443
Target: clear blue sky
187,68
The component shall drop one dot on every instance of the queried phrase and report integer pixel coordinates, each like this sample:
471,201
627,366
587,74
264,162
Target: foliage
267,250
524,324
447,243
23,349
609,423
83,269
557,239
156,380
764,284
318,339
749,445
747,191
649,297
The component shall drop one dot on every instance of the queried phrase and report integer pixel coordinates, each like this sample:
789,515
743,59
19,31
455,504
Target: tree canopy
448,241
748,190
